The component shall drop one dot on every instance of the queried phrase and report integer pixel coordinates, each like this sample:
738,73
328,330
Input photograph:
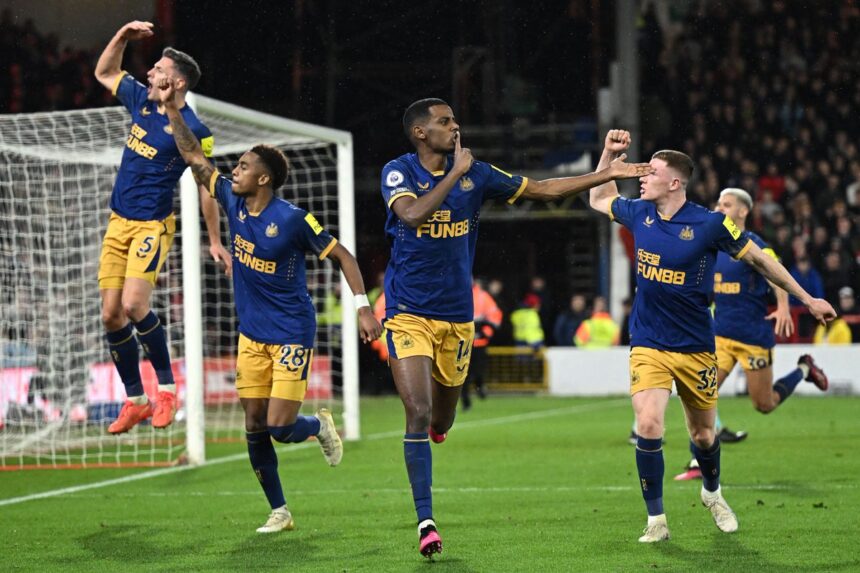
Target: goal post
58,388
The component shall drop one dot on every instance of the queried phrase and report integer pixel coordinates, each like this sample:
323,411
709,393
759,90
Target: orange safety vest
379,345
488,313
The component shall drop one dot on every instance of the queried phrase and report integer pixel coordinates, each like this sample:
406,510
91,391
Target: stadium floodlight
58,388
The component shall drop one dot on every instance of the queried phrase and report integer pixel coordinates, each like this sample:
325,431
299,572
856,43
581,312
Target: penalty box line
578,409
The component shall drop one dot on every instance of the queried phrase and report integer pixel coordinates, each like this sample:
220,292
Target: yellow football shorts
447,344
694,373
272,370
134,249
750,356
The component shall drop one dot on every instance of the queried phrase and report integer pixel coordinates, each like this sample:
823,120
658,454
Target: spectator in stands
538,287
777,112
569,320
771,182
599,331
379,380
808,278
488,319
526,323
836,332
782,245
39,75
852,192
377,291
835,275
845,234
820,243
848,310
330,316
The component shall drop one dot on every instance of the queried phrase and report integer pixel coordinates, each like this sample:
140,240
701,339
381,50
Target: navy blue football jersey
269,283
151,163
675,261
740,300
429,273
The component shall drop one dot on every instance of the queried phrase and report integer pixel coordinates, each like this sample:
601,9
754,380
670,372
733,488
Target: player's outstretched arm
415,212
610,168
109,65
368,326
186,141
778,275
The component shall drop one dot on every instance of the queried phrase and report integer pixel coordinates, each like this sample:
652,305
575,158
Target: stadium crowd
40,75
770,112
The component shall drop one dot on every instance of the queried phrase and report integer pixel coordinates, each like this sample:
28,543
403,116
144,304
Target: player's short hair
739,194
678,161
185,65
417,111
275,161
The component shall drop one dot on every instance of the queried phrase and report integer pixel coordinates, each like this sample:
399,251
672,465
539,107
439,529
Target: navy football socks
419,466
264,461
296,432
786,385
709,464
649,462
126,356
152,337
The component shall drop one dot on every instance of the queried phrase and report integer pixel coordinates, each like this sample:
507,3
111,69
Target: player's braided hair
418,111
185,65
275,161
678,161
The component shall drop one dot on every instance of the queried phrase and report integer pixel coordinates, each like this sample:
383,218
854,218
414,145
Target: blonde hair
739,194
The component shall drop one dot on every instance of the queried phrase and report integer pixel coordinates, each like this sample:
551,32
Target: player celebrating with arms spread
740,295
671,329
142,224
277,319
433,200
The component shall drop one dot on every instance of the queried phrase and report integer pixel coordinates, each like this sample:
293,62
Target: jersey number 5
146,247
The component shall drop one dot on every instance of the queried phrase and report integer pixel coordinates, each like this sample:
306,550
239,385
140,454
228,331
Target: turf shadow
126,543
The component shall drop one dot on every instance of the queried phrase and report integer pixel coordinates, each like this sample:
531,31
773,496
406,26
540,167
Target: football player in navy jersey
142,224
277,319
671,328
744,333
433,198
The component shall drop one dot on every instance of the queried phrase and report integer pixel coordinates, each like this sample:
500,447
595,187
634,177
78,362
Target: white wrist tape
361,301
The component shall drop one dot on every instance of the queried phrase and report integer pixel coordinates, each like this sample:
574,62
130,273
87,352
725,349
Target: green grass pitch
521,484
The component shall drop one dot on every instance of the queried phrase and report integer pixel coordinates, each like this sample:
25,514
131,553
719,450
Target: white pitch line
461,490
244,456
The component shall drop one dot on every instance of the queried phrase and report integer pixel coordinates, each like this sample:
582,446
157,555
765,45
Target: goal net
58,387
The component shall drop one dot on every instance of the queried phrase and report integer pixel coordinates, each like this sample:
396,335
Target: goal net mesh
58,387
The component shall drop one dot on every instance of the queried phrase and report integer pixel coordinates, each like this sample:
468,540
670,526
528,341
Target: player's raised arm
109,65
609,169
778,275
186,141
368,326
416,211
616,142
